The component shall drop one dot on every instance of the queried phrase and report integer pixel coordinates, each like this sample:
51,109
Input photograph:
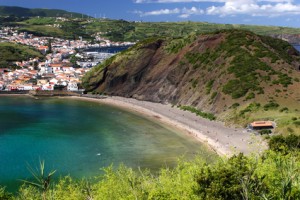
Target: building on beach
258,125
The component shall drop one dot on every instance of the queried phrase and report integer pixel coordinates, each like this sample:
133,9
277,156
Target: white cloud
183,13
175,1
249,7
269,8
213,1
159,12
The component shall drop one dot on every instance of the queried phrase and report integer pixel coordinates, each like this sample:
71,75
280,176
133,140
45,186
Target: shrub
235,105
285,109
271,105
200,113
209,85
252,107
251,95
214,94
265,132
280,143
297,123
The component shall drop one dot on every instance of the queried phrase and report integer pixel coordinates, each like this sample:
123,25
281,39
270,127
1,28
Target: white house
47,87
72,86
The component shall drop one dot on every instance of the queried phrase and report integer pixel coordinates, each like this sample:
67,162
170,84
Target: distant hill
237,75
121,30
26,12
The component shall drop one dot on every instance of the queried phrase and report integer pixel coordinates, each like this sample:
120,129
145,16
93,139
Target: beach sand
226,141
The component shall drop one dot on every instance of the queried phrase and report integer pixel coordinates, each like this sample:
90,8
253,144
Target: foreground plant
42,181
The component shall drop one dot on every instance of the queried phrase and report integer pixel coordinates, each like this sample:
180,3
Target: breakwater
53,93
14,92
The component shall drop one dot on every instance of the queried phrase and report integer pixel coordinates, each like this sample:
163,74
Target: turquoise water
78,138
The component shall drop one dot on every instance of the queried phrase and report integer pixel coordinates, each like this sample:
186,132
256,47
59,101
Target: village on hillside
57,70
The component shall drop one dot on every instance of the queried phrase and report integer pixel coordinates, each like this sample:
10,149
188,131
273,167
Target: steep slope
218,73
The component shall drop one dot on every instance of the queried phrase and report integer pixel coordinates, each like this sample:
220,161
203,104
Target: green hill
26,12
237,75
10,52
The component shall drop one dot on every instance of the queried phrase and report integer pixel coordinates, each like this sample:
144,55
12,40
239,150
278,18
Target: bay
79,138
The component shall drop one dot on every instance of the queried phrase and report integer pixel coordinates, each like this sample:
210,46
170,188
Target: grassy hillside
26,12
69,30
237,75
120,30
10,52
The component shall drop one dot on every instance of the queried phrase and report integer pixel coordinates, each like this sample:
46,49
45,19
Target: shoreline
225,141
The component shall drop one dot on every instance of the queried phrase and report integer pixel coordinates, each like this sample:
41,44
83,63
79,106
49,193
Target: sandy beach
226,141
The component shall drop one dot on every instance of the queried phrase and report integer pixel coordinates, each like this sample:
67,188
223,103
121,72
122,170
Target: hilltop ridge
42,12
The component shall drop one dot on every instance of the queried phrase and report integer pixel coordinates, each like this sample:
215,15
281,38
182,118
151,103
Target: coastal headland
226,141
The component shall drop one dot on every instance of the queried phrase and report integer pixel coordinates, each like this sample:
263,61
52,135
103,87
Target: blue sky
260,12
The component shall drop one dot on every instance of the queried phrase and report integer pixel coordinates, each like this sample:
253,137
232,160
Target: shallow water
78,138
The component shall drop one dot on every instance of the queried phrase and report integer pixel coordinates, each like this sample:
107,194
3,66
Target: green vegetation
70,29
200,113
252,107
10,52
271,105
176,44
272,175
209,85
121,30
42,180
40,21
290,143
248,68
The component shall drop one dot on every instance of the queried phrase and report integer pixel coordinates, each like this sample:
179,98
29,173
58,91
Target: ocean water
79,138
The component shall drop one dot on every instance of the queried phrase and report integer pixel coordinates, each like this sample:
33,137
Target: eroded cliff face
210,72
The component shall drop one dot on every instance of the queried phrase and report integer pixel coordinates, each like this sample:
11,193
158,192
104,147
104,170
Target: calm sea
79,138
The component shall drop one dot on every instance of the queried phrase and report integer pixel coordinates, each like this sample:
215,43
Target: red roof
262,124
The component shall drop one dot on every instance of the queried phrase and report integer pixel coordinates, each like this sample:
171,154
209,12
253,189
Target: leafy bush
209,85
235,105
251,95
286,144
213,95
271,105
297,123
200,113
265,132
252,107
236,88
285,109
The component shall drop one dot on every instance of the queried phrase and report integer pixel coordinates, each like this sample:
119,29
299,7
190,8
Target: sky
255,12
